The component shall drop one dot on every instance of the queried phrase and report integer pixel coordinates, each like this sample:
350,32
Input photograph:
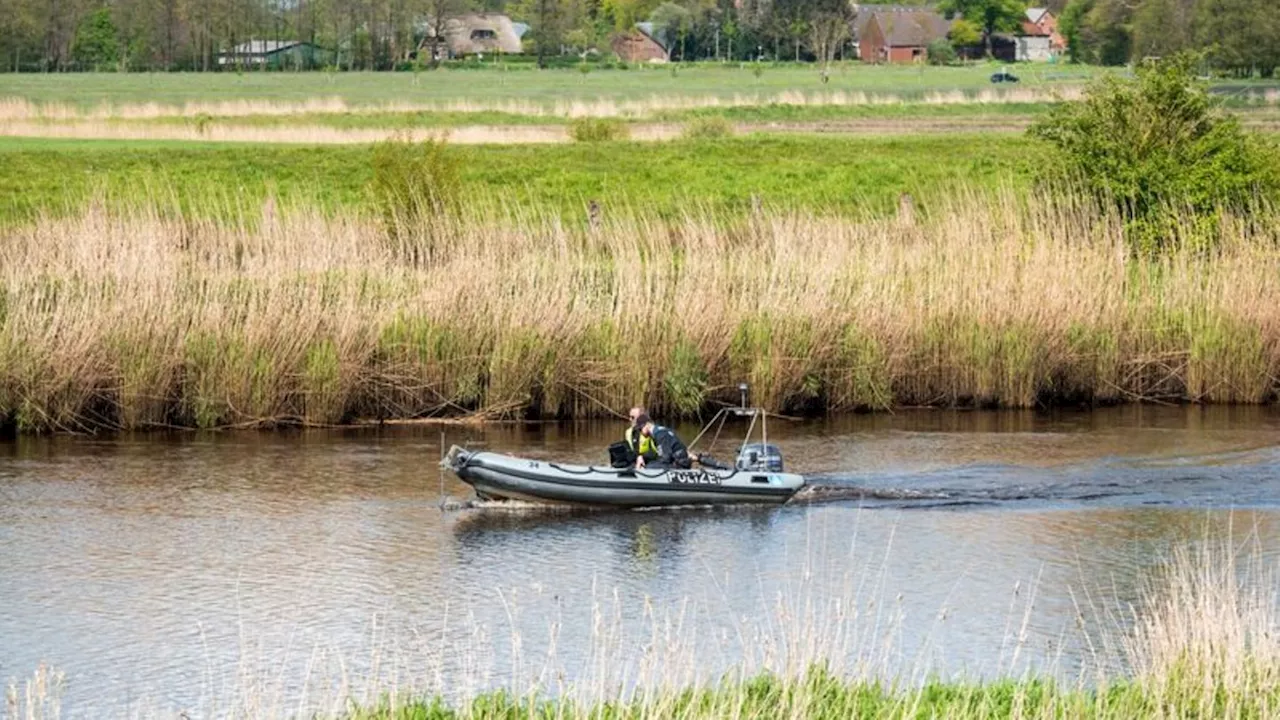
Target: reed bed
305,135
18,108
316,134
145,317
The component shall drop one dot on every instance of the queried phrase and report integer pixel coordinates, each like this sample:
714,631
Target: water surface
278,571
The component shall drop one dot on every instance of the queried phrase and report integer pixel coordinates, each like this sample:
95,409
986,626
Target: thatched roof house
475,33
643,44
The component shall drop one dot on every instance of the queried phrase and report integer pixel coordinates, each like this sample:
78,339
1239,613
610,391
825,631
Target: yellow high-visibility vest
646,446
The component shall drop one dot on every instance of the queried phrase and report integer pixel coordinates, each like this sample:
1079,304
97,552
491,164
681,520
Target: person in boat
640,445
671,453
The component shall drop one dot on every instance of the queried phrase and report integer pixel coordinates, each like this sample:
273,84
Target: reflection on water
193,571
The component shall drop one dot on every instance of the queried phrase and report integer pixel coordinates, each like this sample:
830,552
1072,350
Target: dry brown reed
38,697
312,134
306,135
18,108
1208,635
146,317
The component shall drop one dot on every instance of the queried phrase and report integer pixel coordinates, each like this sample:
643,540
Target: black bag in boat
621,455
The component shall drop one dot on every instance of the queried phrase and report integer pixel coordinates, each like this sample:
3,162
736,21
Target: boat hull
511,478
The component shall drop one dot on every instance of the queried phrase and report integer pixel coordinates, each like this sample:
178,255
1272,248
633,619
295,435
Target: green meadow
799,171
508,81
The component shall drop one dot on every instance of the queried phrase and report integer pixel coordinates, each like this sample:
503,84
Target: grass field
548,87
795,171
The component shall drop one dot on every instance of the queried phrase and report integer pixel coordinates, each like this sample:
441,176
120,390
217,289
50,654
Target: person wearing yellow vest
639,443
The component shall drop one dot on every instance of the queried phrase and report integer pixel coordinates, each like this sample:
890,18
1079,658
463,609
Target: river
271,573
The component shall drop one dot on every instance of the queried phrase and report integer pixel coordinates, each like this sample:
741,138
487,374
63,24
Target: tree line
126,35
1239,37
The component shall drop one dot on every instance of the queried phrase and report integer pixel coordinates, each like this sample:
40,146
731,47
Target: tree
1243,36
1098,31
796,30
1160,150
548,22
1071,23
730,34
672,22
1162,28
941,52
18,30
624,14
992,16
830,25
440,13
828,30
95,44
964,33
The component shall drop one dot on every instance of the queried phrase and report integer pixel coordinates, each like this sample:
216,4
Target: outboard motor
759,457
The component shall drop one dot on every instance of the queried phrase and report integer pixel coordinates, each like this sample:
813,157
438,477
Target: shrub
598,130
941,52
1157,143
708,128
202,121
415,186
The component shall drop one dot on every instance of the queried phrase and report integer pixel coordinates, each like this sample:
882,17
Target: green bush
941,52
713,127
415,186
1161,151
598,130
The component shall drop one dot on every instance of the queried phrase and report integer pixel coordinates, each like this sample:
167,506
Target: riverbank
819,695
152,318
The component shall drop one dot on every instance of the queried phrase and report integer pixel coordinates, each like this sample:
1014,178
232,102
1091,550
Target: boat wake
1248,478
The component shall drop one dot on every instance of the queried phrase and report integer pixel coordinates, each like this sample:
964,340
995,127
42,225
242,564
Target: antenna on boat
441,466
742,391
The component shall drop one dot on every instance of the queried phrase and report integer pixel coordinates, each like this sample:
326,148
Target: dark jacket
671,452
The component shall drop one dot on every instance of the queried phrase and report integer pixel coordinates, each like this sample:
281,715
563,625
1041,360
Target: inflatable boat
756,476
504,477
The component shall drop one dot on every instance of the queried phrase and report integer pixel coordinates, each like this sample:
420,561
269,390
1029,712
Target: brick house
900,35
1040,40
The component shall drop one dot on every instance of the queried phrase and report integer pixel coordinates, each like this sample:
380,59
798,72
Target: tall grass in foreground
1203,643
140,318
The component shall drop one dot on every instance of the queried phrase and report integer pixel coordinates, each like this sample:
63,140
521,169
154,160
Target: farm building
899,35
642,44
275,54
